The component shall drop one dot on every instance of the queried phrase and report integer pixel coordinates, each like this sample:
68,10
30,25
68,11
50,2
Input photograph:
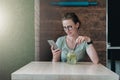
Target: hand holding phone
52,43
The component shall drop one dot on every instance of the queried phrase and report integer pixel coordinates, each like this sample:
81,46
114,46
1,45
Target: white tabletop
63,71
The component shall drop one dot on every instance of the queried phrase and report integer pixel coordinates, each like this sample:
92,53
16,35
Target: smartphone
52,43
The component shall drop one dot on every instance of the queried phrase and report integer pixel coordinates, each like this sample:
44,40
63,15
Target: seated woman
71,25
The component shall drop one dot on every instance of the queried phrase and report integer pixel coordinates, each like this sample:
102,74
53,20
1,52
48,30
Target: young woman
71,25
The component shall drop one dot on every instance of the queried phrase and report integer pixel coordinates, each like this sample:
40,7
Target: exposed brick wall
93,20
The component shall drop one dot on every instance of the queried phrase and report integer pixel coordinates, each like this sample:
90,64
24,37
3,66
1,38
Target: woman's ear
77,25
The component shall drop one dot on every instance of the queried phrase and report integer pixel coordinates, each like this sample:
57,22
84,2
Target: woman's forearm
92,54
55,60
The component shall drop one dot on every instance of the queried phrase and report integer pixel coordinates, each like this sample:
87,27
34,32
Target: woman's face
70,27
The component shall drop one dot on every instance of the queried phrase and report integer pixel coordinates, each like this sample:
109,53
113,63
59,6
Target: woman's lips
69,33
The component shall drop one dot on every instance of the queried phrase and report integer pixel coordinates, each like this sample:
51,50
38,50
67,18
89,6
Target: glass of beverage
71,57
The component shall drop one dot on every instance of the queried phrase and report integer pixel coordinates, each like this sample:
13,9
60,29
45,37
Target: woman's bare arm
92,54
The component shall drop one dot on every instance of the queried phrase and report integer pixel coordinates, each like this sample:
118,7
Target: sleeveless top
80,50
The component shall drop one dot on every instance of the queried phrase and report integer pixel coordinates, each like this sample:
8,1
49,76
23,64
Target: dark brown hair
73,17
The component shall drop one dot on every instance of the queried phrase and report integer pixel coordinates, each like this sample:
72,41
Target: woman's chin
70,35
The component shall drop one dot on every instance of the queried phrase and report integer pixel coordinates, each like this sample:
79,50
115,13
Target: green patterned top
80,50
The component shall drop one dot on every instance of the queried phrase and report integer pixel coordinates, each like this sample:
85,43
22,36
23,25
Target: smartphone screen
52,43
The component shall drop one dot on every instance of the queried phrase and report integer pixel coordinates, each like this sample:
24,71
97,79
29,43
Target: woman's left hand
81,39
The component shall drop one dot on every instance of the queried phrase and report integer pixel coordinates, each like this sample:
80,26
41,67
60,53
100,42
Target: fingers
56,54
81,39
56,51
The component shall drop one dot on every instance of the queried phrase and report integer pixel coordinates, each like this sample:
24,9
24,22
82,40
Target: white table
63,71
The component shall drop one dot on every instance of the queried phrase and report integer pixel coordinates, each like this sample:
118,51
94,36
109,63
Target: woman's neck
72,38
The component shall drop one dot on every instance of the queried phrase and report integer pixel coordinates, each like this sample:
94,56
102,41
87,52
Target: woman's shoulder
60,41
61,37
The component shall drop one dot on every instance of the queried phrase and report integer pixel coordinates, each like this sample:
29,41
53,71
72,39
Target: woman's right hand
56,54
